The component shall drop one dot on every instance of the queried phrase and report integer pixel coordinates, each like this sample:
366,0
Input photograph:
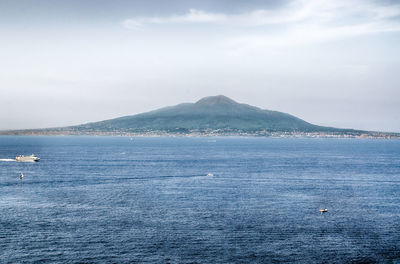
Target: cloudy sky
329,62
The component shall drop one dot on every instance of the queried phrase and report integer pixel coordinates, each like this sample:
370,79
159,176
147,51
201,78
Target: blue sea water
150,200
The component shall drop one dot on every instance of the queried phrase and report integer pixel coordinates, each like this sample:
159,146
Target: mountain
214,113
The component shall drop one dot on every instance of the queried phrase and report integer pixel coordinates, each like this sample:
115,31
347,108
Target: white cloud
132,24
308,34
297,23
193,16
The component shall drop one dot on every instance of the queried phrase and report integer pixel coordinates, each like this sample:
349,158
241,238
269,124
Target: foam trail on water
7,160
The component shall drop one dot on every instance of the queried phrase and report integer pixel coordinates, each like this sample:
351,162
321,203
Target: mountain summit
215,113
216,100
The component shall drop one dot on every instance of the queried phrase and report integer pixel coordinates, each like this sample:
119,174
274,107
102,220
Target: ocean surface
151,200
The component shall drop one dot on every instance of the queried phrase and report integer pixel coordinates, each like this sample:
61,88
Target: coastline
213,133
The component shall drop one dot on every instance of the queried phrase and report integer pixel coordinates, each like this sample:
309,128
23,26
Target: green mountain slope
209,113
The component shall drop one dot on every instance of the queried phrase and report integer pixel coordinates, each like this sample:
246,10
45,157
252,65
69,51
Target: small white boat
210,174
27,158
324,210
21,176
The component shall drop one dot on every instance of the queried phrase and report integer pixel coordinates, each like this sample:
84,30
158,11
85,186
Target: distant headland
210,116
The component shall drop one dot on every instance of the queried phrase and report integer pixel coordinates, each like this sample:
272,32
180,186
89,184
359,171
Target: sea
93,199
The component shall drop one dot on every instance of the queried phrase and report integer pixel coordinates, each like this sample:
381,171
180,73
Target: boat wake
7,160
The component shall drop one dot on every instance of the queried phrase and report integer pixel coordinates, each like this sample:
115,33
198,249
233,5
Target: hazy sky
329,62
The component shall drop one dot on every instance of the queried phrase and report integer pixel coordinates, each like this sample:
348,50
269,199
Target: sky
329,62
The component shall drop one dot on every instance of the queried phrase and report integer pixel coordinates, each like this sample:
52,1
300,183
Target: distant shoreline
371,135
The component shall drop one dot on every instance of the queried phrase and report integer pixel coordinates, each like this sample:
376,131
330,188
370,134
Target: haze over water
149,200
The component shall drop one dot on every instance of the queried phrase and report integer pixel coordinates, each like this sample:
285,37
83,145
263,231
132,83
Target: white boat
27,158
324,210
